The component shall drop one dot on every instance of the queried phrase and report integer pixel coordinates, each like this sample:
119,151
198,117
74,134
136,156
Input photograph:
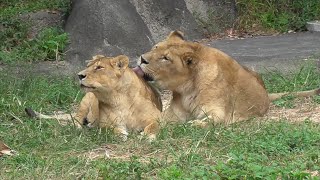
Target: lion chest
189,101
115,116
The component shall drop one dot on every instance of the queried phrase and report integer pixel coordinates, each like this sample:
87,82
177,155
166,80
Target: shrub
279,15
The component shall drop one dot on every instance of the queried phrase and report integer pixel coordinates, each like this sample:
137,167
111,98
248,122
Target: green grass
306,78
278,15
254,149
15,45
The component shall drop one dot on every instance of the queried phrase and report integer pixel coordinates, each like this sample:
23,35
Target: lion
205,82
115,97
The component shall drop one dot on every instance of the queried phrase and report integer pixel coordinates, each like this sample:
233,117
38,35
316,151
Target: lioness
116,97
206,83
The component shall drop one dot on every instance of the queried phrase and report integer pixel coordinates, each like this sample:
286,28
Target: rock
213,16
161,17
108,27
129,27
313,26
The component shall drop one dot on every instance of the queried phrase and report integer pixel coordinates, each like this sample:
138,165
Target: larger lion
115,97
206,83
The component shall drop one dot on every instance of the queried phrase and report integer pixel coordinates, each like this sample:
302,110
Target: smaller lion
115,97
206,83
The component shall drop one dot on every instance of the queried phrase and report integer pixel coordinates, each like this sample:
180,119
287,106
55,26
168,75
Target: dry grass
303,109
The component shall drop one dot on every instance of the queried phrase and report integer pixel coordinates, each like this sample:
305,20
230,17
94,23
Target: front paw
203,123
149,137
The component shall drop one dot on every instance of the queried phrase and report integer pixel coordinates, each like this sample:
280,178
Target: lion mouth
86,87
142,74
148,77
138,71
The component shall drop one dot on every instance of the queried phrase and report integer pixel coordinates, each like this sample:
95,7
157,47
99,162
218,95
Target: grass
255,149
306,78
15,46
277,15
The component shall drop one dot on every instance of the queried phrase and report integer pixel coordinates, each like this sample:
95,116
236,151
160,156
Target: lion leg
122,132
203,123
175,113
151,131
94,116
215,115
88,109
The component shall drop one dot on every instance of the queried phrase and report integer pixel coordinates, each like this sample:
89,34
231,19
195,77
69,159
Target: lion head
169,62
103,73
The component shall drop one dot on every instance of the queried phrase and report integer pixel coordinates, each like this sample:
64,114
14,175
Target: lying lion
115,97
206,83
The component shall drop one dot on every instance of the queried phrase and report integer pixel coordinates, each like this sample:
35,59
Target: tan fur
206,82
116,97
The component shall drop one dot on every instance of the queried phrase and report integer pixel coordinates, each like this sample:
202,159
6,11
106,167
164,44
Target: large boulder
213,16
130,27
108,27
163,16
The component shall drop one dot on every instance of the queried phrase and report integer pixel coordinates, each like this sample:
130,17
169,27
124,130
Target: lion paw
150,137
199,123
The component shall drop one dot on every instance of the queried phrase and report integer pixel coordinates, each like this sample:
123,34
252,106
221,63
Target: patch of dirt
42,19
304,109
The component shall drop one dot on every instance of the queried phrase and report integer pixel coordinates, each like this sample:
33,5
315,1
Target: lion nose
81,76
143,60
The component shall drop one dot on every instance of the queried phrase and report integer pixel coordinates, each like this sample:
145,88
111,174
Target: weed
279,15
306,78
49,45
14,42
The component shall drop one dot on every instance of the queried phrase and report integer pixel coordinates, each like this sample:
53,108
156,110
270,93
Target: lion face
169,63
103,73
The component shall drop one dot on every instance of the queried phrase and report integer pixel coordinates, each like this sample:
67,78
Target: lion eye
98,67
165,58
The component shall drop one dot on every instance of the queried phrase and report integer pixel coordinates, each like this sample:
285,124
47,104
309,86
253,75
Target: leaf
5,150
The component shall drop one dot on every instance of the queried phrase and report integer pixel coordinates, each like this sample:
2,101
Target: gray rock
213,16
108,27
131,27
313,26
163,16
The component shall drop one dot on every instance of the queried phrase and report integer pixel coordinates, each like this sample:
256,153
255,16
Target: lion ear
120,62
189,59
176,35
99,56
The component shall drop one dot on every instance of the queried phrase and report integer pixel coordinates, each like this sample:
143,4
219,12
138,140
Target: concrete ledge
313,26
